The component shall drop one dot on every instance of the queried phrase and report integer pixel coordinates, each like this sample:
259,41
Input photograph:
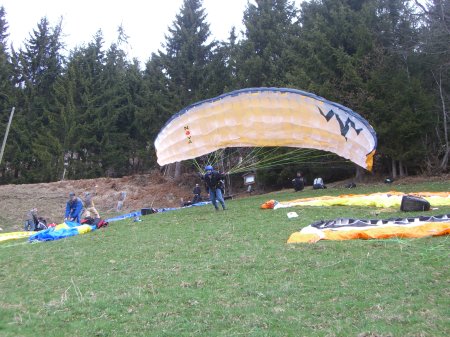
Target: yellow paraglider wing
262,117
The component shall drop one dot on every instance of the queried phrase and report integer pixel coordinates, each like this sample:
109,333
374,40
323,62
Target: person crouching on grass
73,208
213,182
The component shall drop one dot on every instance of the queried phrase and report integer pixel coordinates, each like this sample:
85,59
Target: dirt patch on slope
142,191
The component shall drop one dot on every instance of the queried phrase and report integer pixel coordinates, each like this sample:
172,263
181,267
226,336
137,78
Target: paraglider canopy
263,117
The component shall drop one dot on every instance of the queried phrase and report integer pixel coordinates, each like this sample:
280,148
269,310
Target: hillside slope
142,191
147,190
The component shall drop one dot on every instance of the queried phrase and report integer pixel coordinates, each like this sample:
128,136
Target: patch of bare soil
142,191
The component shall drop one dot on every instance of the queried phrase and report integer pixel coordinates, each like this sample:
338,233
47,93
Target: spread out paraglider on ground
266,117
351,229
385,199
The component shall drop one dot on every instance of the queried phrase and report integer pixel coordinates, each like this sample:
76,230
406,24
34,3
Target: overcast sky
144,21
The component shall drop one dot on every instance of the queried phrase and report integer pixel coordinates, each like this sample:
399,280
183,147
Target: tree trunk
228,179
359,174
228,183
394,168
401,171
168,170
444,161
177,174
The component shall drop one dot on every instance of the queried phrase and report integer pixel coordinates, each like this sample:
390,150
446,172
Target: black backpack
414,204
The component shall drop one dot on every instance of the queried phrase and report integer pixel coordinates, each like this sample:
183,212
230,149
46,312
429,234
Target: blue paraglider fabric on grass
62,231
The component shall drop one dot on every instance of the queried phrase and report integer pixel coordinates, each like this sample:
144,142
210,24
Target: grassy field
197,272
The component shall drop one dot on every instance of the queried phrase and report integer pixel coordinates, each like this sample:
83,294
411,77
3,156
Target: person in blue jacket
213,182
74,207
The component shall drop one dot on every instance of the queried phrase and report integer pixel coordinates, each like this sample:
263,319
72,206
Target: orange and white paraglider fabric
266,117
351,229
384,200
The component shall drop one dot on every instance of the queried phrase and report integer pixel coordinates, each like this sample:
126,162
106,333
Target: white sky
144,21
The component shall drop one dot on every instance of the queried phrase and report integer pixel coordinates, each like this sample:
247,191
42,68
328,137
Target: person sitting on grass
298,182
34,222
197,191
318,184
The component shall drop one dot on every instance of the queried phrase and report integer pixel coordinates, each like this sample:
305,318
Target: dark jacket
299,183
213,180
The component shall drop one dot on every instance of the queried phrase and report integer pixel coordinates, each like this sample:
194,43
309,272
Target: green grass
197,272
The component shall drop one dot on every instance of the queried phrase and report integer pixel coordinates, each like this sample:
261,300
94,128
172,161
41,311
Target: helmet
208,168
71,194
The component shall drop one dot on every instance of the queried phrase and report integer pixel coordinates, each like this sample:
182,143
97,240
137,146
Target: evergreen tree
40,64
6,96
81,127
159,105
101,96
116,112
363,54
6,70
187,53
98,114
435,38
222,69
266,53
399,104
186,57
334,43
140,156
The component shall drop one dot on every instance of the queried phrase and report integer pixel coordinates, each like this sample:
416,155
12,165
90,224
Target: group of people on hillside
214,183
75,208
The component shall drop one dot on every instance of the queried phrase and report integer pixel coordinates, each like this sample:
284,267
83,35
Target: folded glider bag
351,229
266,117
388,199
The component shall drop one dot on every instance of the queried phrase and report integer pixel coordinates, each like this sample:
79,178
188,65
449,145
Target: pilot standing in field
213,182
